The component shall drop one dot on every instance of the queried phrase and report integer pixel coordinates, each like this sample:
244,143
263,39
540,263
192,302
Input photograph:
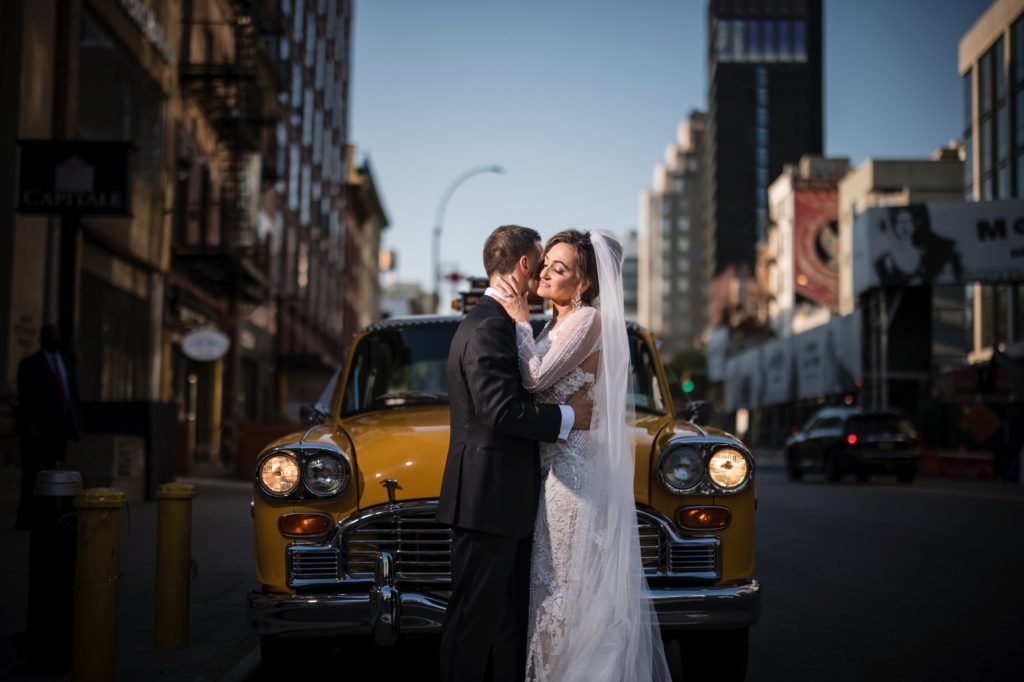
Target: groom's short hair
506,246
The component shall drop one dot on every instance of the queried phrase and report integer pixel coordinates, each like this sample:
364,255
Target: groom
492,478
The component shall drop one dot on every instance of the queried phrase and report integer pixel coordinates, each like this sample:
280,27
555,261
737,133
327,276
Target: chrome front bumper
386,612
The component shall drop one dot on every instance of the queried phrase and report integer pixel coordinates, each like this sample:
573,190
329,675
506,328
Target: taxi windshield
399,367
406,366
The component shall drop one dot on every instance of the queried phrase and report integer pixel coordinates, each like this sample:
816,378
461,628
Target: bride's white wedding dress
589,620
552,369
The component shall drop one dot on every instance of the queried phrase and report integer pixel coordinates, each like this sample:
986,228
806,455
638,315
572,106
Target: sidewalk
222,550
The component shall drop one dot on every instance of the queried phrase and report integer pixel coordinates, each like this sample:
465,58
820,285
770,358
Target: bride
589,619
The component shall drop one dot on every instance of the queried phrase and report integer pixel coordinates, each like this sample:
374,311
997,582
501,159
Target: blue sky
578,100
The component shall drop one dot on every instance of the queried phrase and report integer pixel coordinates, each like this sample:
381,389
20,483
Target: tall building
764,110
312,235
673,243
991,65
630,272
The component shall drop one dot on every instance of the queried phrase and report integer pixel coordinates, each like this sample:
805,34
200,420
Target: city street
881,581
862,581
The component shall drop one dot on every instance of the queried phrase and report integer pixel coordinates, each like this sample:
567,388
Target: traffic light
687,383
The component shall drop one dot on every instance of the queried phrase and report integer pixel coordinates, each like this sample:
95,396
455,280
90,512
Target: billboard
939,243
823,361
816,245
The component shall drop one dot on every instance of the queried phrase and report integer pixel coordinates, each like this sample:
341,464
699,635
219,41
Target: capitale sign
64,176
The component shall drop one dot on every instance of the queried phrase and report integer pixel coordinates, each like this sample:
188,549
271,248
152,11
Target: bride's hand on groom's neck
514,303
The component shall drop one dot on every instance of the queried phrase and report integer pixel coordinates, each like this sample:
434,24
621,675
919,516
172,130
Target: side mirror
309,415
696,411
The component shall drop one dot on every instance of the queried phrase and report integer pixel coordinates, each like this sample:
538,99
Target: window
293,177
785,42
299,21
310,39
986,146
723,41
969,161
307,190
307,117
762,136
647,392
754,40
770,49
120,102
296,85
985,83
738,46
1000,69
1018,313
967,100
800,41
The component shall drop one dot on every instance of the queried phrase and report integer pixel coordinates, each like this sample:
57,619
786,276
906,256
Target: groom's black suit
489,496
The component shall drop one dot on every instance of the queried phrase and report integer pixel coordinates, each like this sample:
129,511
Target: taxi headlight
325,474
728,468
681,468
279,474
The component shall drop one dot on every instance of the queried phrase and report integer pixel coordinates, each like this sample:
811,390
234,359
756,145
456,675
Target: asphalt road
882,581
862,581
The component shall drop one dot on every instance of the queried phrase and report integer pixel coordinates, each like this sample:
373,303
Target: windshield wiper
408,397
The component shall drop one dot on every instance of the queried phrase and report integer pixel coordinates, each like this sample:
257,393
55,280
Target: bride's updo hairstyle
586,260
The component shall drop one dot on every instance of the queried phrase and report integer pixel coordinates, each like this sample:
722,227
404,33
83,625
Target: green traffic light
687,386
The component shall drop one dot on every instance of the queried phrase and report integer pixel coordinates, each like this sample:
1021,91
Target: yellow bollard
97,545
173,557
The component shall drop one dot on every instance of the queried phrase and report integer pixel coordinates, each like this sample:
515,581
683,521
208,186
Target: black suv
841,440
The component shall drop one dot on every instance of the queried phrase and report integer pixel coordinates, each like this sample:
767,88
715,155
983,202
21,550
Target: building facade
630,273
103,72
764,110
991,66
673,243
247,214
225,164
798,261
313,234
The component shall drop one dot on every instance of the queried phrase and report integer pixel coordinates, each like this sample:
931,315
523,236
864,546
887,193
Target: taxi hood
408,445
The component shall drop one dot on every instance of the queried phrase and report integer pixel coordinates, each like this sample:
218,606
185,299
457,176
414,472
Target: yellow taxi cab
346,541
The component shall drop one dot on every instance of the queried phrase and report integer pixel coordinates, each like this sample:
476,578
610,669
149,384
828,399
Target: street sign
64,176
205,345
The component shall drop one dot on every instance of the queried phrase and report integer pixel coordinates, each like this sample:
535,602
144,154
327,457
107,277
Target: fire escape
234,94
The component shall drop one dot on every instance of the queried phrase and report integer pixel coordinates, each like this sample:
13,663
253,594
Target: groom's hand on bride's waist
582,408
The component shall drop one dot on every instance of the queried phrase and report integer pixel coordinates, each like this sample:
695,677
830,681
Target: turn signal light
704,518
852,439
295,525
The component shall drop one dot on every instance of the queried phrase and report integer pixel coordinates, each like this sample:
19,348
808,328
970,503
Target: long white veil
611,631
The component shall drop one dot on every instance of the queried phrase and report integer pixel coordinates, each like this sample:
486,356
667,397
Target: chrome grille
650,544
693,558
420,546
313,564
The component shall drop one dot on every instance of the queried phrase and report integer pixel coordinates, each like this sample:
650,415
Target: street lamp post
439,222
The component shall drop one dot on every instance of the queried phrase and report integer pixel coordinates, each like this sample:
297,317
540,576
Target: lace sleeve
573,341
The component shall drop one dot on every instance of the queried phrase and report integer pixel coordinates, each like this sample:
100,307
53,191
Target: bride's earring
577,300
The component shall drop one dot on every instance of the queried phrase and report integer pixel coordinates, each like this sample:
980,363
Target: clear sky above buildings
578,100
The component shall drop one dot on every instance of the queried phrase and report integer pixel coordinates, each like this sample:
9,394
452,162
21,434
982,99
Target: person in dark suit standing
48,413
491,482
